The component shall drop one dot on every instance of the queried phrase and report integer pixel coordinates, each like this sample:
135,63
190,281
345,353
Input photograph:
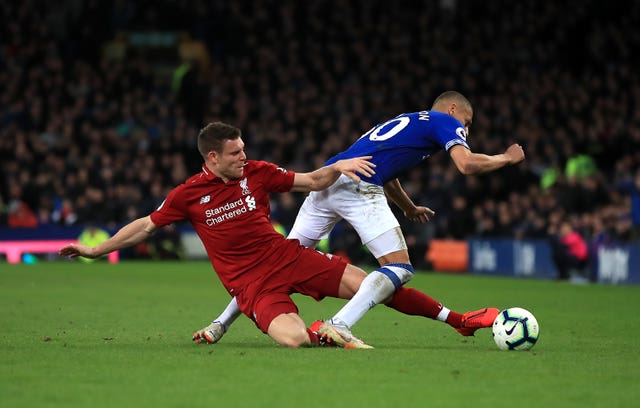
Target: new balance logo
205,199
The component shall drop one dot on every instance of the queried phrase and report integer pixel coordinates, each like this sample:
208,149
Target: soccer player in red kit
228,205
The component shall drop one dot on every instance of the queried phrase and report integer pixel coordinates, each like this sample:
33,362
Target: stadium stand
100,103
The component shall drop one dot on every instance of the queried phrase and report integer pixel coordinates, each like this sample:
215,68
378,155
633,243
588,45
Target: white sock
229,315
375,288
444,313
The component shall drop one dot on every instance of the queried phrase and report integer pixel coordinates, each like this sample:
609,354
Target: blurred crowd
88,135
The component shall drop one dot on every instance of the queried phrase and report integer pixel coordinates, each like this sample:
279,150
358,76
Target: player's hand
420,214
360,165
515,153
75,250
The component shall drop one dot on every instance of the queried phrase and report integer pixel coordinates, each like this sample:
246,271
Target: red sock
413,302
313,337
454,319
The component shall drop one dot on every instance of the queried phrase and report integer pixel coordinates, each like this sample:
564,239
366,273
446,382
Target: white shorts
363,205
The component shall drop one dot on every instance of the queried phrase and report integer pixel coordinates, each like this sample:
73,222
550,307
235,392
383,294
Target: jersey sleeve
450,132
171,210
276,179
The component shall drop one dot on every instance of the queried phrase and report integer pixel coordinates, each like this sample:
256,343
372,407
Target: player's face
230,163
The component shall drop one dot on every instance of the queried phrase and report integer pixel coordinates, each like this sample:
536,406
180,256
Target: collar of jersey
212,177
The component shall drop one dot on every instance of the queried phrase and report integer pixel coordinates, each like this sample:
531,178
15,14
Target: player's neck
213,169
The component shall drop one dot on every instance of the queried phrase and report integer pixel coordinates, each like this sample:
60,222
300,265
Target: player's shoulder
428,117
259,168
196,182
443,118
258,165
443,124
196,179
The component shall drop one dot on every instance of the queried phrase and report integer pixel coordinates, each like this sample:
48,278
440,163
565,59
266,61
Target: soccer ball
515,329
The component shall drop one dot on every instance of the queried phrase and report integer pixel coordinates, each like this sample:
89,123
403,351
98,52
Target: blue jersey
404,141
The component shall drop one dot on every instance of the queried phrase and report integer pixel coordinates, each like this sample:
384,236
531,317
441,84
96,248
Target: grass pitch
120,335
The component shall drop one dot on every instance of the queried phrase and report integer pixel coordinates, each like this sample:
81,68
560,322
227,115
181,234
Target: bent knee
398,273
294,340
288,330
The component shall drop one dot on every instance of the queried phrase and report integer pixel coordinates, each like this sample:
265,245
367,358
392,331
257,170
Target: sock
454,319
229,315
313,338
413,302
375,288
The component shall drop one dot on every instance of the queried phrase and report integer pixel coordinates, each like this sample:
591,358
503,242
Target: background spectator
570,252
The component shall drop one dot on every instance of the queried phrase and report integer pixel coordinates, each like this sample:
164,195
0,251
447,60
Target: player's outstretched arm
129,235
394,191
468,162
327,175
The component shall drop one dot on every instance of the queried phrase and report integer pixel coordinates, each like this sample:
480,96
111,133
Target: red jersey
233,221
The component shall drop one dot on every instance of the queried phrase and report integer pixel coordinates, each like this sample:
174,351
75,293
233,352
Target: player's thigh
367,210
315,218
389,247
316,274
269,306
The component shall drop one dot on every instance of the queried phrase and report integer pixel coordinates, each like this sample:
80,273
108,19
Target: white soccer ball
515,328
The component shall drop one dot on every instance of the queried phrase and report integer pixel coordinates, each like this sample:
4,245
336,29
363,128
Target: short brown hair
453,97
213,135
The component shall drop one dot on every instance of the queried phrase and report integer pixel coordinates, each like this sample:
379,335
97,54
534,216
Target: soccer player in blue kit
396,146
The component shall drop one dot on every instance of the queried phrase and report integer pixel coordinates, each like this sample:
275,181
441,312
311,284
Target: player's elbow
467,168
148,226
318,184
464,160
313,187
305,182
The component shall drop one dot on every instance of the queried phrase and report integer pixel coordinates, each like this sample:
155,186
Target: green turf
103,335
